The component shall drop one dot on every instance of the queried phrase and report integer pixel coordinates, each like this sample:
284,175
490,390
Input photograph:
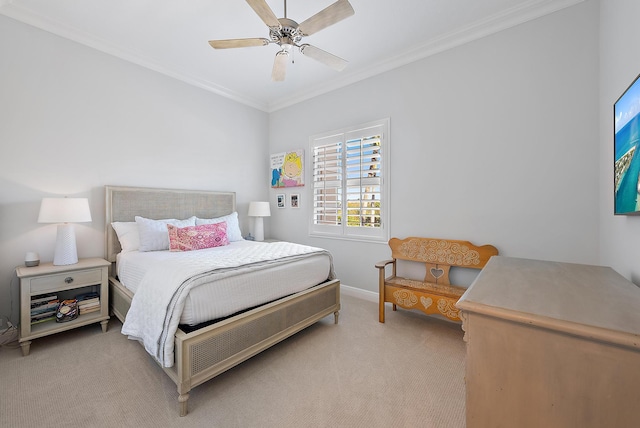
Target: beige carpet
408,372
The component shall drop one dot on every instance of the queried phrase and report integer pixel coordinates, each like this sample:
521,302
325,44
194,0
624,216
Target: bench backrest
439,255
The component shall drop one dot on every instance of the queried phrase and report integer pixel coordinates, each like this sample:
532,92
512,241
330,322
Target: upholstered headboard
124,203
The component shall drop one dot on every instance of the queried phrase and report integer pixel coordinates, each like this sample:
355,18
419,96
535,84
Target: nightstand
65,282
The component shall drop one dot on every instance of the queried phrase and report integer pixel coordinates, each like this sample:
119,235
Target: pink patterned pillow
197,237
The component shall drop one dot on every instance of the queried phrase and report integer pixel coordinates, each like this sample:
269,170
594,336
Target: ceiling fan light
280,66
286,44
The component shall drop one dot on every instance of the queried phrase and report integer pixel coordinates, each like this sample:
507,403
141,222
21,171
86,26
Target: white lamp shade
64,210
259,209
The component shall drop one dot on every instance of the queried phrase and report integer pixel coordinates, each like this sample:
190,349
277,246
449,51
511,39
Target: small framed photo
280,200
295,200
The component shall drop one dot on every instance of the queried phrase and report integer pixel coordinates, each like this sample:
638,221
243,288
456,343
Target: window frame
341,137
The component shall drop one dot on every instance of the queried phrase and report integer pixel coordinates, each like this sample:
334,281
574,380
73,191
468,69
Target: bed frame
205,353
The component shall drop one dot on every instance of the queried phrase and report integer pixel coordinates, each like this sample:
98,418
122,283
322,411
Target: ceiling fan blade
330,15
324,57
280,66
238,43
264,12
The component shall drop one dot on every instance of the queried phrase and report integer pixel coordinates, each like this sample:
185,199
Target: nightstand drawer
61,281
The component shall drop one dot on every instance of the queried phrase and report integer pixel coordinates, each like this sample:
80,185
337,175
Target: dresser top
588,300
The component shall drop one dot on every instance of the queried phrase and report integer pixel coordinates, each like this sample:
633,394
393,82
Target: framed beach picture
626,136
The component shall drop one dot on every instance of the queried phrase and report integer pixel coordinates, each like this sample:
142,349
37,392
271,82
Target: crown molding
28,17
509,18
506,19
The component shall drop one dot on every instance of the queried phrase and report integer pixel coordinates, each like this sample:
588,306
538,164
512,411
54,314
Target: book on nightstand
41,299
87,297
43,308
88,302
41,320
89,309
44,316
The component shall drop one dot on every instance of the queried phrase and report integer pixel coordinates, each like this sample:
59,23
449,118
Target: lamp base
258,231
66,252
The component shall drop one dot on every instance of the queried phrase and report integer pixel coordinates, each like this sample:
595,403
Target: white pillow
233,227
127,232
154,235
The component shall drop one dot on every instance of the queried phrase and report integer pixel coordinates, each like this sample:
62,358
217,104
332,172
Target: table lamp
259,210
66,211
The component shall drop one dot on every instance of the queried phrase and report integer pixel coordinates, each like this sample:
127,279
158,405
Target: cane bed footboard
205,353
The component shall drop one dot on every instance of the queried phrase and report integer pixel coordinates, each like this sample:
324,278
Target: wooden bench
434,294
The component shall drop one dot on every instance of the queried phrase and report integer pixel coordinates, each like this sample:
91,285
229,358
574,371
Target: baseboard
359,293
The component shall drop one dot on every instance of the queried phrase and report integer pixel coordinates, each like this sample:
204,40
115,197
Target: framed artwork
287,169
295,200
280,200
626,116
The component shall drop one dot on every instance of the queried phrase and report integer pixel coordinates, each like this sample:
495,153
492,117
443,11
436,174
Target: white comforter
156,306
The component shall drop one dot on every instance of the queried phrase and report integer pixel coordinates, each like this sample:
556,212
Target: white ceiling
170,36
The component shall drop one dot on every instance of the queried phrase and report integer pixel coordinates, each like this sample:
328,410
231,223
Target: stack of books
88,302
44,308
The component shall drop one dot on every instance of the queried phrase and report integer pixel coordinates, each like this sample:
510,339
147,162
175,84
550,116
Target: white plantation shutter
350,183
327,183
363,181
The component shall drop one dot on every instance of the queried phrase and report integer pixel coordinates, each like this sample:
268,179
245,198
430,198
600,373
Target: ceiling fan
287,33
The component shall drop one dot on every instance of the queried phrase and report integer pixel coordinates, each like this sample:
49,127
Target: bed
202,352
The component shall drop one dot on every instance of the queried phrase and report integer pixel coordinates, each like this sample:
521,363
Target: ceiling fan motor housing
287,34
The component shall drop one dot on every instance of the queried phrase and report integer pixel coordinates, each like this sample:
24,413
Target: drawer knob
68,280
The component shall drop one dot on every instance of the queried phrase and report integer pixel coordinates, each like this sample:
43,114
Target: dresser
551,345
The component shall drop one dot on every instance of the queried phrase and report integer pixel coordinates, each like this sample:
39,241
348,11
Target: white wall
73,120
494,142
619,65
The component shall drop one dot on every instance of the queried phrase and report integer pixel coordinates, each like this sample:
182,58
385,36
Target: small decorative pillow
197,237
127,232
233,227
153,233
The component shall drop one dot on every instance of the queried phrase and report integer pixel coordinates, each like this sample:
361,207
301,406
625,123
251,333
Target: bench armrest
382,264
382,271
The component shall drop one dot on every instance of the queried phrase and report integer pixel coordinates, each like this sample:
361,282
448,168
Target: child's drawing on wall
287,169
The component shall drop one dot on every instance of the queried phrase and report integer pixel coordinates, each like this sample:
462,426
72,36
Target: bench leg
395,308
381,303
381,296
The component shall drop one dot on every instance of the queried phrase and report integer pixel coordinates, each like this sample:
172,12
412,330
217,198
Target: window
350,183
